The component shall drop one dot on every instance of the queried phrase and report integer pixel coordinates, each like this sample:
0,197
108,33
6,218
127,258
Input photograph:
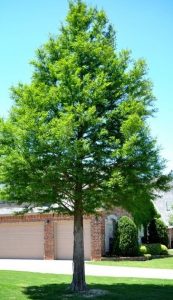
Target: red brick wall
119,212
97,237
97,231
49,239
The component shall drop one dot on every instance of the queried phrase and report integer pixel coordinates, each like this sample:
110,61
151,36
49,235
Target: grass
24,285
158,263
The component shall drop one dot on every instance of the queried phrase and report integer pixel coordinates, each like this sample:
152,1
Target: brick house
164,206
50,236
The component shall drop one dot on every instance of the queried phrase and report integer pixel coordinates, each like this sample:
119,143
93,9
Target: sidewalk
65,267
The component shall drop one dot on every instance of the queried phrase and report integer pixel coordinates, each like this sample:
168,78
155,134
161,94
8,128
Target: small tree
77,139
126,237
157,232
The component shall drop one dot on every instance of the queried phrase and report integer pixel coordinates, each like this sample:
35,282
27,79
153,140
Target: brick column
49,239
97,237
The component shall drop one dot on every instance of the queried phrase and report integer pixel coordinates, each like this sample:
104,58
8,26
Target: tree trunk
78,281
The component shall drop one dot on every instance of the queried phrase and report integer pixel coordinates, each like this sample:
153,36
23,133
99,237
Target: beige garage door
64,239
22,240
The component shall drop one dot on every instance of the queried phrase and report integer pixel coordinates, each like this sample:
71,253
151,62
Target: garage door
64,239
22,240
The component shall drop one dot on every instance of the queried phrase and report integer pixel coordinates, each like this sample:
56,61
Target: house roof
11,208
7,208
164,206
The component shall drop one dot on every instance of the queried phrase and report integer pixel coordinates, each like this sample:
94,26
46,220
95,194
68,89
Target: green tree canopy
77,135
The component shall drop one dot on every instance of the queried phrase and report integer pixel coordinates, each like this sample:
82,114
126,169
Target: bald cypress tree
77,134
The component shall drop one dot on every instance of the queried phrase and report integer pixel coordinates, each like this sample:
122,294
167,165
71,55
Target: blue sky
145,27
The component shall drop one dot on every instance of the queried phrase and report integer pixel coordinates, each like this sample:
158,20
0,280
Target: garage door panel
22,240
64,239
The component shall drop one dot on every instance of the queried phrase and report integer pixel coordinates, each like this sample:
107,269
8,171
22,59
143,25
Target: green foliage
77,135
154,249
148,256
164,250
157,232
142,249
126,237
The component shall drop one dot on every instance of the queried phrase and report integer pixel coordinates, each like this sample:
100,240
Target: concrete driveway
65,267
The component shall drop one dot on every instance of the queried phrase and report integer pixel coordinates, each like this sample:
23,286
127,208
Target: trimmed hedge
153,249
157,232
126,237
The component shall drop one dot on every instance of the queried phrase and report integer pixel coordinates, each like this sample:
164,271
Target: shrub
157,232
126,237
153,249
164,250
148,256
143,250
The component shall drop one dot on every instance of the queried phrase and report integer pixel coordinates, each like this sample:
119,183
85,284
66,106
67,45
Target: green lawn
160,263
34,286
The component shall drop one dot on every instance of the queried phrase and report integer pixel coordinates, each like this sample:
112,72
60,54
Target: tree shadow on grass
118,291
47,292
